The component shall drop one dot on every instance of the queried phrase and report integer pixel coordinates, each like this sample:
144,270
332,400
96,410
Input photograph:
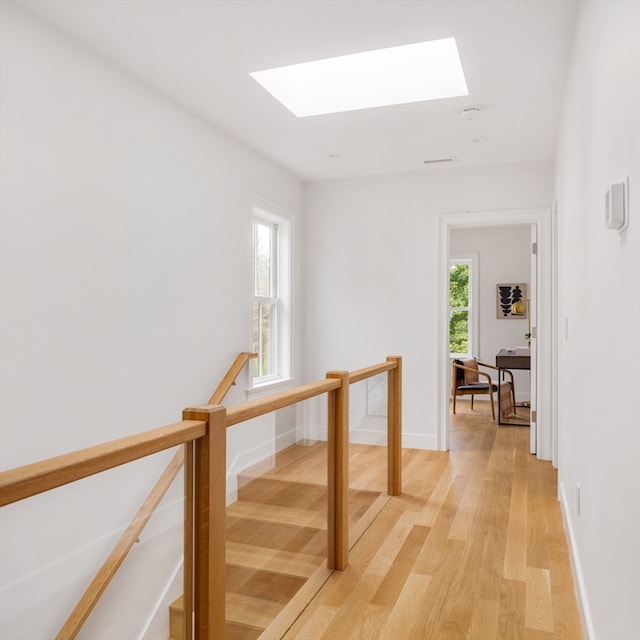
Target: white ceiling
200,52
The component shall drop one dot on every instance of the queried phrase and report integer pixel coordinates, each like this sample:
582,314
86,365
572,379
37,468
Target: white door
533,307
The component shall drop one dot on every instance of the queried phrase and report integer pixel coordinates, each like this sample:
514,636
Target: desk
508,359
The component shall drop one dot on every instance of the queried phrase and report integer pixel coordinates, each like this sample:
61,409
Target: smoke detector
470,113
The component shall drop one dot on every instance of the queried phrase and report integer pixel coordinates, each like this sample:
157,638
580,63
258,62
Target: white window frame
281,253
472,260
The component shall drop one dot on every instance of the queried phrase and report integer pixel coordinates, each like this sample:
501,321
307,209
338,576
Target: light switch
616,206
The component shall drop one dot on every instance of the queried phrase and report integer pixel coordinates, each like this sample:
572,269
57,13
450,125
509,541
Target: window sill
266,388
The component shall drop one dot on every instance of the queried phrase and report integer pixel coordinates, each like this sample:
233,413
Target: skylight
399,75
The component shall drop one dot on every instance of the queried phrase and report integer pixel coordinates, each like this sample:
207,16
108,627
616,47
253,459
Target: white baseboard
373,430
155,627
316,433
367,434
576,567
409,440
419,441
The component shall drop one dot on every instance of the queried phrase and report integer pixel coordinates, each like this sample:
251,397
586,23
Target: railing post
338,472
210,468
394,427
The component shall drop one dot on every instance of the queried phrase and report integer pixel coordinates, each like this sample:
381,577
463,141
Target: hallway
473,548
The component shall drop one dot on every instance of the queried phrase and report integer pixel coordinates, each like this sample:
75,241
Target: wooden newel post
338,473
209,505
394,427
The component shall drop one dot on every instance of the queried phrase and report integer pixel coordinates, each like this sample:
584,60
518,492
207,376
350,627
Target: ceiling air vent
441,160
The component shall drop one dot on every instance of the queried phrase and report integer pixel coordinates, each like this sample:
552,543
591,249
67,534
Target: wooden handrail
29,480
261,406
107,571
205,427
118,554
230,377
373,370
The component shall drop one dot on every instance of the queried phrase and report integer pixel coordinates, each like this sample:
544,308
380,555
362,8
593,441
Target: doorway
543,423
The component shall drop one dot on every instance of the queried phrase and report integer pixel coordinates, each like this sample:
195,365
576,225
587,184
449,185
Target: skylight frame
404,74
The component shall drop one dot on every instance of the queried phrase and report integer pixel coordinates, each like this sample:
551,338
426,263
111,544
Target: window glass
460,310
263,262
270,305
459,332
264,321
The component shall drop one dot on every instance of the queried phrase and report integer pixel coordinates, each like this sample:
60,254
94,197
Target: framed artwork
506,295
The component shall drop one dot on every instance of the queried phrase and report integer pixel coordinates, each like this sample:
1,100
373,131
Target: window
270,297
462,306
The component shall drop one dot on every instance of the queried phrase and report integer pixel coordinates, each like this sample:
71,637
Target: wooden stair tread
293,459
240,631
273,535
286,493
176,616
260,584
299,454
297,564
296,495
277,540
278,514
254,612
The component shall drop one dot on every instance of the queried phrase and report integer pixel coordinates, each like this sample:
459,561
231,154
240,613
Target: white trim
555,335
260,209
376,437
266,388
419,441
368,436
165,599
576,566
546,422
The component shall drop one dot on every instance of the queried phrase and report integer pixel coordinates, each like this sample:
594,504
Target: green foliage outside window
459,332
459,308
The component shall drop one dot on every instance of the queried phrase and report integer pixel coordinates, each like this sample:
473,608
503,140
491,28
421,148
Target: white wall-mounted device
616,205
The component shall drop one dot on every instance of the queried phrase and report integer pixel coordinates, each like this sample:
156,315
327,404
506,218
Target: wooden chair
467,379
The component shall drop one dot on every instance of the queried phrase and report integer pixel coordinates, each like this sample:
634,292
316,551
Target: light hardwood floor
473,548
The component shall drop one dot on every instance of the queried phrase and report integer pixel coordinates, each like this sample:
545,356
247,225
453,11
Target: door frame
545,372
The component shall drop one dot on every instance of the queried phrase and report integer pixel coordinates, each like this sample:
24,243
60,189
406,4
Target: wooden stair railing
336,386
109,568
230,377
203,432
117,556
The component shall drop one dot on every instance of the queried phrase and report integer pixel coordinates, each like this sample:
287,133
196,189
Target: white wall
125,268
504,255
123,229
371,277
599,272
